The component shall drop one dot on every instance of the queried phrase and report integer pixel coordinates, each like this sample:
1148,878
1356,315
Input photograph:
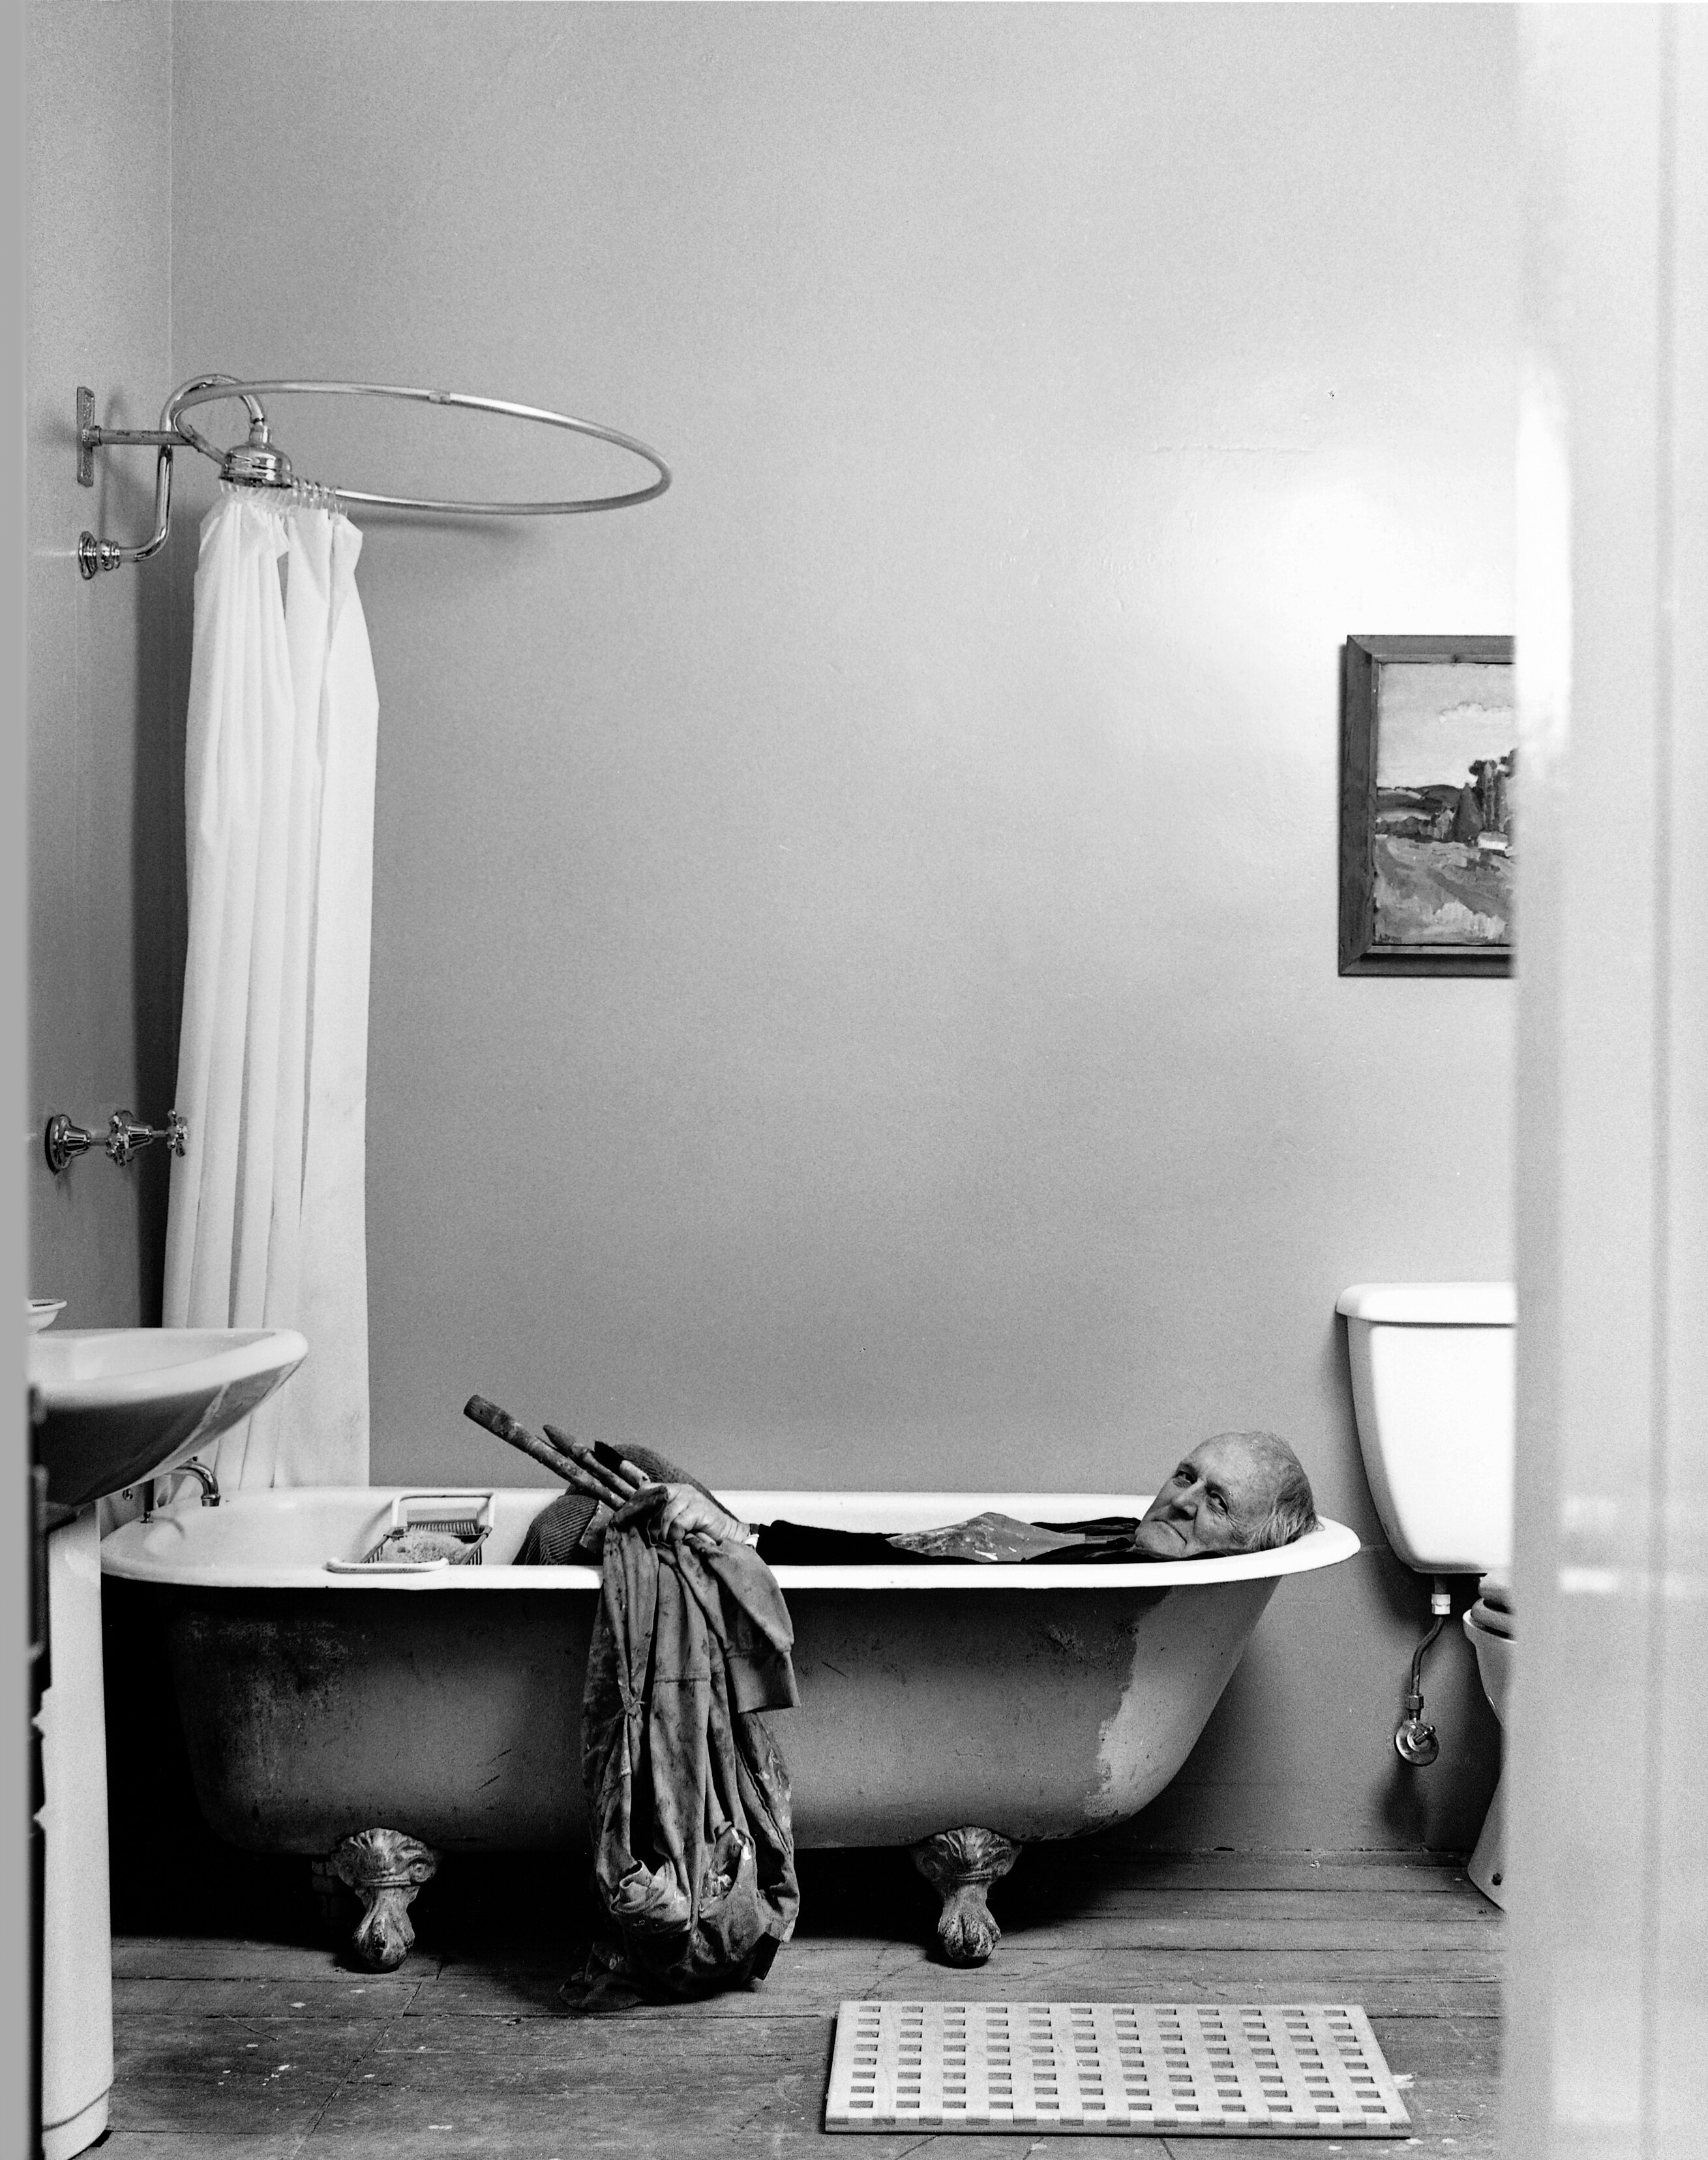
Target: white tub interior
282,1538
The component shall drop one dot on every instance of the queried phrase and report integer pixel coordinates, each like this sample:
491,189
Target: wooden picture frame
1427,856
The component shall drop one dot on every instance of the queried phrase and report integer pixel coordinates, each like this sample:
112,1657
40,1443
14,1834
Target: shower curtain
267,1224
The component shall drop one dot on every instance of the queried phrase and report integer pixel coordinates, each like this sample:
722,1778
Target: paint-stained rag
688,1792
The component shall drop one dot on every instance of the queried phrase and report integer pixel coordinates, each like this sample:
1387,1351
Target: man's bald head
1235,1493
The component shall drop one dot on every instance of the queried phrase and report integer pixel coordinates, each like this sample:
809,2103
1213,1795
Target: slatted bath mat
1274,2070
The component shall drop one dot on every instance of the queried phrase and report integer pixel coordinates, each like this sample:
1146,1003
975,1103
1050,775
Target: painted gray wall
855,997
106,881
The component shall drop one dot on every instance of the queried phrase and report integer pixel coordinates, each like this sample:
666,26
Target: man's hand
684,1513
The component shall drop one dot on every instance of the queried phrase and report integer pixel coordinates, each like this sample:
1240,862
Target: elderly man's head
1240,1491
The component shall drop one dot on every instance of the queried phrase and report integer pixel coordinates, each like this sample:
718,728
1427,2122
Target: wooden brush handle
502,1423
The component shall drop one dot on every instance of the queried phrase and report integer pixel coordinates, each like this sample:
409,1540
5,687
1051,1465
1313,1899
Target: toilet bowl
1489,1629
1432,1390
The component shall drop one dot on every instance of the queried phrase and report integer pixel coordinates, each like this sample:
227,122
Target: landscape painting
1429,840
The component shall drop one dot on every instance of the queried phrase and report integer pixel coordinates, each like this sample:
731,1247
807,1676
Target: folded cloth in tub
688,1792
990,1538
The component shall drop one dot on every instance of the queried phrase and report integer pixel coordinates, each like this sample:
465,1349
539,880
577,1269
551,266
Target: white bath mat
1276,2070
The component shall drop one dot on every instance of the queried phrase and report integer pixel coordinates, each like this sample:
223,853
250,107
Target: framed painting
1428,850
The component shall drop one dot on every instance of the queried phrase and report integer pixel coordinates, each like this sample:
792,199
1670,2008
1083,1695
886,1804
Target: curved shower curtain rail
258,462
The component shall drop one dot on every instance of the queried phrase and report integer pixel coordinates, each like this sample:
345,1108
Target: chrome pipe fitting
63,1142
1415,1741
93,556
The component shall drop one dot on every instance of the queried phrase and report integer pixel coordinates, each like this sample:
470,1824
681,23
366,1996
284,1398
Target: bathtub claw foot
385,1868
961,1864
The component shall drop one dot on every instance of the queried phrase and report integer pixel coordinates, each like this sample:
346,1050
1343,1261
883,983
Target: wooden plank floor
260,2045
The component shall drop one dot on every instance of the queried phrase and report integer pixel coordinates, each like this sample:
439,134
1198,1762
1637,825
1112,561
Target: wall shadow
159,904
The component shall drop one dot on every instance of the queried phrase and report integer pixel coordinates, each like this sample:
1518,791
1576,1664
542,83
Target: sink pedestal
77,1968
116,1406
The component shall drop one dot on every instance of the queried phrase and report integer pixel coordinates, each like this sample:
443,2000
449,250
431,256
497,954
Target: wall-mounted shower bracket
94,554
90,438
256,462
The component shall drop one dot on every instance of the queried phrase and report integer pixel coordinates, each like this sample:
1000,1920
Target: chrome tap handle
127,1135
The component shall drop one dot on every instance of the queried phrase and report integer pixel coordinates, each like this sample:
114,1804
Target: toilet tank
1432,1385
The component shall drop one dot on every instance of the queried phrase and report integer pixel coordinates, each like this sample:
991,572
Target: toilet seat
1492,1612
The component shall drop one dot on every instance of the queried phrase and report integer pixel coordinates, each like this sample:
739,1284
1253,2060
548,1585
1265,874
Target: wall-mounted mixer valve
126,1136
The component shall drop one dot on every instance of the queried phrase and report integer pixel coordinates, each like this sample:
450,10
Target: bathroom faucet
199,1471
126,1136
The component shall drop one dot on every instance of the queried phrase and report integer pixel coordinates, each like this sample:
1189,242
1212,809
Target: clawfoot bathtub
961,1711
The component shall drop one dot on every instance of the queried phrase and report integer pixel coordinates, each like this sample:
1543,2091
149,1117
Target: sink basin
122,1403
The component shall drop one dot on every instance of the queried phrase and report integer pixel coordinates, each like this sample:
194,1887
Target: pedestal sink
121,1403
117,1405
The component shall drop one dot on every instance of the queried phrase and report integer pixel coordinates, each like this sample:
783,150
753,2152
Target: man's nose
1189,1500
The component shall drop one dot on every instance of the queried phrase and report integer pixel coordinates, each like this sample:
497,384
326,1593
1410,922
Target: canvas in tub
961,1711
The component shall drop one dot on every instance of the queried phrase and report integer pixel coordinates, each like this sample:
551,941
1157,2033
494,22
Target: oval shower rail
258,461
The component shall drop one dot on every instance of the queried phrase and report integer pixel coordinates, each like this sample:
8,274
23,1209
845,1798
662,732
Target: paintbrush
518,1436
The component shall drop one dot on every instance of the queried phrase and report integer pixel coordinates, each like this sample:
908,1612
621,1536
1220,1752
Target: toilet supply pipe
1415,1741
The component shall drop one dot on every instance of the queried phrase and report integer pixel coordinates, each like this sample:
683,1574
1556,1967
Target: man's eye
1218,1503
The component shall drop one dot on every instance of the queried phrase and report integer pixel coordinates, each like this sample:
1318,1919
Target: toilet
1432,1386
1489,1627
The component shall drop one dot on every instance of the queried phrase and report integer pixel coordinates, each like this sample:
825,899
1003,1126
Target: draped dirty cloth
688,1792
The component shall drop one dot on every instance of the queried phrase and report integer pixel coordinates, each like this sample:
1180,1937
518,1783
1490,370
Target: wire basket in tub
427,1531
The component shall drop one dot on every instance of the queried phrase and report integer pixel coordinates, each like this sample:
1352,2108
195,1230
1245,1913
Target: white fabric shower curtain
268,1223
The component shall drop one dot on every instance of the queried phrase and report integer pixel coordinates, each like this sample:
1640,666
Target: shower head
258,462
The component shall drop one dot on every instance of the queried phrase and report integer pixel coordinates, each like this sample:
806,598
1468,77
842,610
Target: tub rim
164,1550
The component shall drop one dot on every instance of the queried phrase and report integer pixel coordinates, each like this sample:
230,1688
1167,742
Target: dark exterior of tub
1040,1714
